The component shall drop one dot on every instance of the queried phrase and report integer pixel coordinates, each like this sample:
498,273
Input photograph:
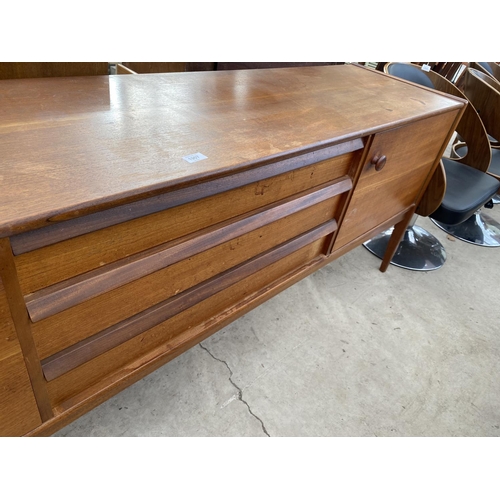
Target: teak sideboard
139,214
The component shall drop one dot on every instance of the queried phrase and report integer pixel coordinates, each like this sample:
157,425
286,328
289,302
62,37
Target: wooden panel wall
169,67
9,70
258,65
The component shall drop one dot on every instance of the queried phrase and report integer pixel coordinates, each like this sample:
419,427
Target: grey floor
348,351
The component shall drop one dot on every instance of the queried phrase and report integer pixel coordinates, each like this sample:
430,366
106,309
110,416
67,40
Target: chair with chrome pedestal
487,104
460,213
483,93
458,190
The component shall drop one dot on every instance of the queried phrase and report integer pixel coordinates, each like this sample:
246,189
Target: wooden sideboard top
70,146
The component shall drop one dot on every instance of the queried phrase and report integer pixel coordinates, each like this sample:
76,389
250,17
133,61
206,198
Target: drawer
79,319
56,262
170,335
379,195
128,297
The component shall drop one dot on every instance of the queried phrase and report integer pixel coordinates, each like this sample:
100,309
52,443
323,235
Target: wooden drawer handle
66,229
62,362
73,291
379,162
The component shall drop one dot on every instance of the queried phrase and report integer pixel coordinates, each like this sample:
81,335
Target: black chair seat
467,189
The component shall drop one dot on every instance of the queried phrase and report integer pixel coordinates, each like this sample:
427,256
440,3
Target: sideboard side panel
18,409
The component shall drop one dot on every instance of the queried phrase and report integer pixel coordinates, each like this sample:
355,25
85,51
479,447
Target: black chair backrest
410,73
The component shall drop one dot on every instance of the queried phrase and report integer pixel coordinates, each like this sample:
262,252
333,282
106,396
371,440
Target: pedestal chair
456,193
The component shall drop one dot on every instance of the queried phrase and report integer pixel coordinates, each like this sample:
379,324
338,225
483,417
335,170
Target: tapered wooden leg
395,239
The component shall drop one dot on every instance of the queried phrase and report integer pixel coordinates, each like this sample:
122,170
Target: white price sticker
194,157
426,67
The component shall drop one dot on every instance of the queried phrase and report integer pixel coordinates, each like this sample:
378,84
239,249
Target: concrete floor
348,351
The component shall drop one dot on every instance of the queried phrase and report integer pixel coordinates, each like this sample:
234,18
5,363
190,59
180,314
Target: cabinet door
379,195
18,409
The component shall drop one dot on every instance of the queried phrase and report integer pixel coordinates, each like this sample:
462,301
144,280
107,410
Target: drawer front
18,410
106,309
79,320
111,366
54,263
379,195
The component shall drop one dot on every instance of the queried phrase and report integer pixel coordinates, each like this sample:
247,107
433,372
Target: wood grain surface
470,127
18,409
378,195
257,186
169,67
96,314
484,94
80,353
156,67
94,142
9,70
63,295
17,311
434,194
126,254
123,70
495,69
214,309
223,66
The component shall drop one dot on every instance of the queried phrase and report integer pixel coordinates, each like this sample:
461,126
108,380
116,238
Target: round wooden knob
379,162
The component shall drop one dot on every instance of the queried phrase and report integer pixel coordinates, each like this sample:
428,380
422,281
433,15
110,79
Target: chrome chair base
479,229
496,199
419,250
